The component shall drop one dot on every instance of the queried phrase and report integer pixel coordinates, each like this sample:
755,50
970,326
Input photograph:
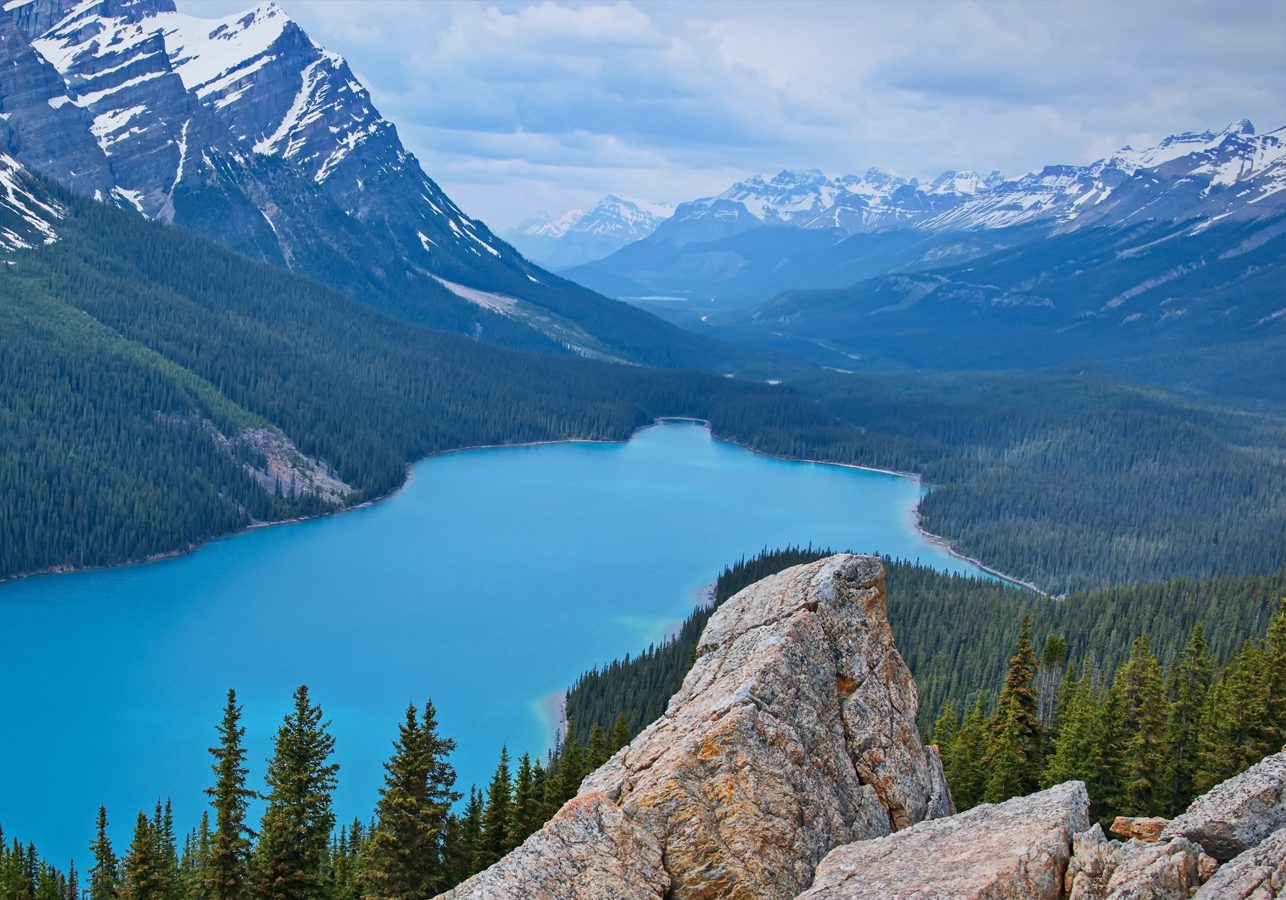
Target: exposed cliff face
793,733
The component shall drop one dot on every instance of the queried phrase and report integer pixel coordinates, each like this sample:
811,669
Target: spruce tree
962,757
1050,678
293,851
497,818
571,767
405,856
1189,686
145,866
526,805
1274,677
1141,765
468,848
228,868
596,751
104,876
1232,734
1014,760
620,733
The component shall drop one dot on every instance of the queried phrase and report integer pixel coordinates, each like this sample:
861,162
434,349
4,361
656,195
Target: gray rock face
590,850
1237,814
793,733
1018,849
1111,870
1257,874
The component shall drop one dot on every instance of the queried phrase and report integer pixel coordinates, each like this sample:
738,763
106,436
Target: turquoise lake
488,584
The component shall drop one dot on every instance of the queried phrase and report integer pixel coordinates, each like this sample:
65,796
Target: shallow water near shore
488,584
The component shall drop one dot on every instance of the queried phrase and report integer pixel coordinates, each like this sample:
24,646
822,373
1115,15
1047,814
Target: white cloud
514,105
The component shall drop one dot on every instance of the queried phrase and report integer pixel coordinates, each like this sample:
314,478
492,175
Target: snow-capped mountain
27,214
579,236
1210,175
243,129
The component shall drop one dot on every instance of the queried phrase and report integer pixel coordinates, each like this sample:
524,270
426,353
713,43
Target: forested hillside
955,632
143,367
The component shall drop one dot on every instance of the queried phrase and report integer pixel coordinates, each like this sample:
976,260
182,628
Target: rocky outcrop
1017,849
793,733
1111,870
1237,814
1257,874
589,850
1143,828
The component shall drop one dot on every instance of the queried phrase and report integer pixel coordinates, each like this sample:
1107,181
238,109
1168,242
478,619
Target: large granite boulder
1237,814
1018,849
1257,874
795,732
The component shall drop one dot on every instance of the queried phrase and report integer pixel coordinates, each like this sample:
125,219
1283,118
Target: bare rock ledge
1016,850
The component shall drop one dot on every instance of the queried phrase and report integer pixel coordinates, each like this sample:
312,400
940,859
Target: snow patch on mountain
25,219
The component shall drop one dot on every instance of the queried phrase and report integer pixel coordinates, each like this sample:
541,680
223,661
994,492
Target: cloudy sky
521,107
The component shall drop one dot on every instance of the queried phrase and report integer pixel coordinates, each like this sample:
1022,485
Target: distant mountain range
246,131
578,236
806,230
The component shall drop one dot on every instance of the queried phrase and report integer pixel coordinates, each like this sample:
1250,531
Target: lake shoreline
409,477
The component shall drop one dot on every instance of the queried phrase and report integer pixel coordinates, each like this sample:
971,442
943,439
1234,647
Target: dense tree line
953,631
128,345
1145,740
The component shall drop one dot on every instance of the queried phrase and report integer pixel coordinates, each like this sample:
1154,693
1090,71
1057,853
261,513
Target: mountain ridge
246,131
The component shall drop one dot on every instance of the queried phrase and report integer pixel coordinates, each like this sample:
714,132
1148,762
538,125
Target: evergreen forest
137,357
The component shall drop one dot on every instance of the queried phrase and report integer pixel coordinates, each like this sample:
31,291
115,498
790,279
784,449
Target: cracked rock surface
793,733
1016,850
1238,813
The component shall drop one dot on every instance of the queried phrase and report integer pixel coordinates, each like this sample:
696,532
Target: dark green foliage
1189,685
293,851
497,818
227,862
957,656
1015,757
1141,705
146,875
527,802
405,856
104,877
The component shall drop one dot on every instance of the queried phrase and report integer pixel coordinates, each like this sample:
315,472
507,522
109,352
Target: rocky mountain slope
579,236
788,765
824,231
244,130
27,213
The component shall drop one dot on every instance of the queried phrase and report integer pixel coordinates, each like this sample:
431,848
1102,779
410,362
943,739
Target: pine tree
293,849
1189,686
1050,678
1014,761
1232,737
571,767
946,725
145,866
497,818
962,757
1077,750
1141,765
1274,728
405,856
596,752
104,876
227,876
527,804
620,733
467,854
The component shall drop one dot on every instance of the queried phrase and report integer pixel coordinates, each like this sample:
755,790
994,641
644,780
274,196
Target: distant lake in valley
488,585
